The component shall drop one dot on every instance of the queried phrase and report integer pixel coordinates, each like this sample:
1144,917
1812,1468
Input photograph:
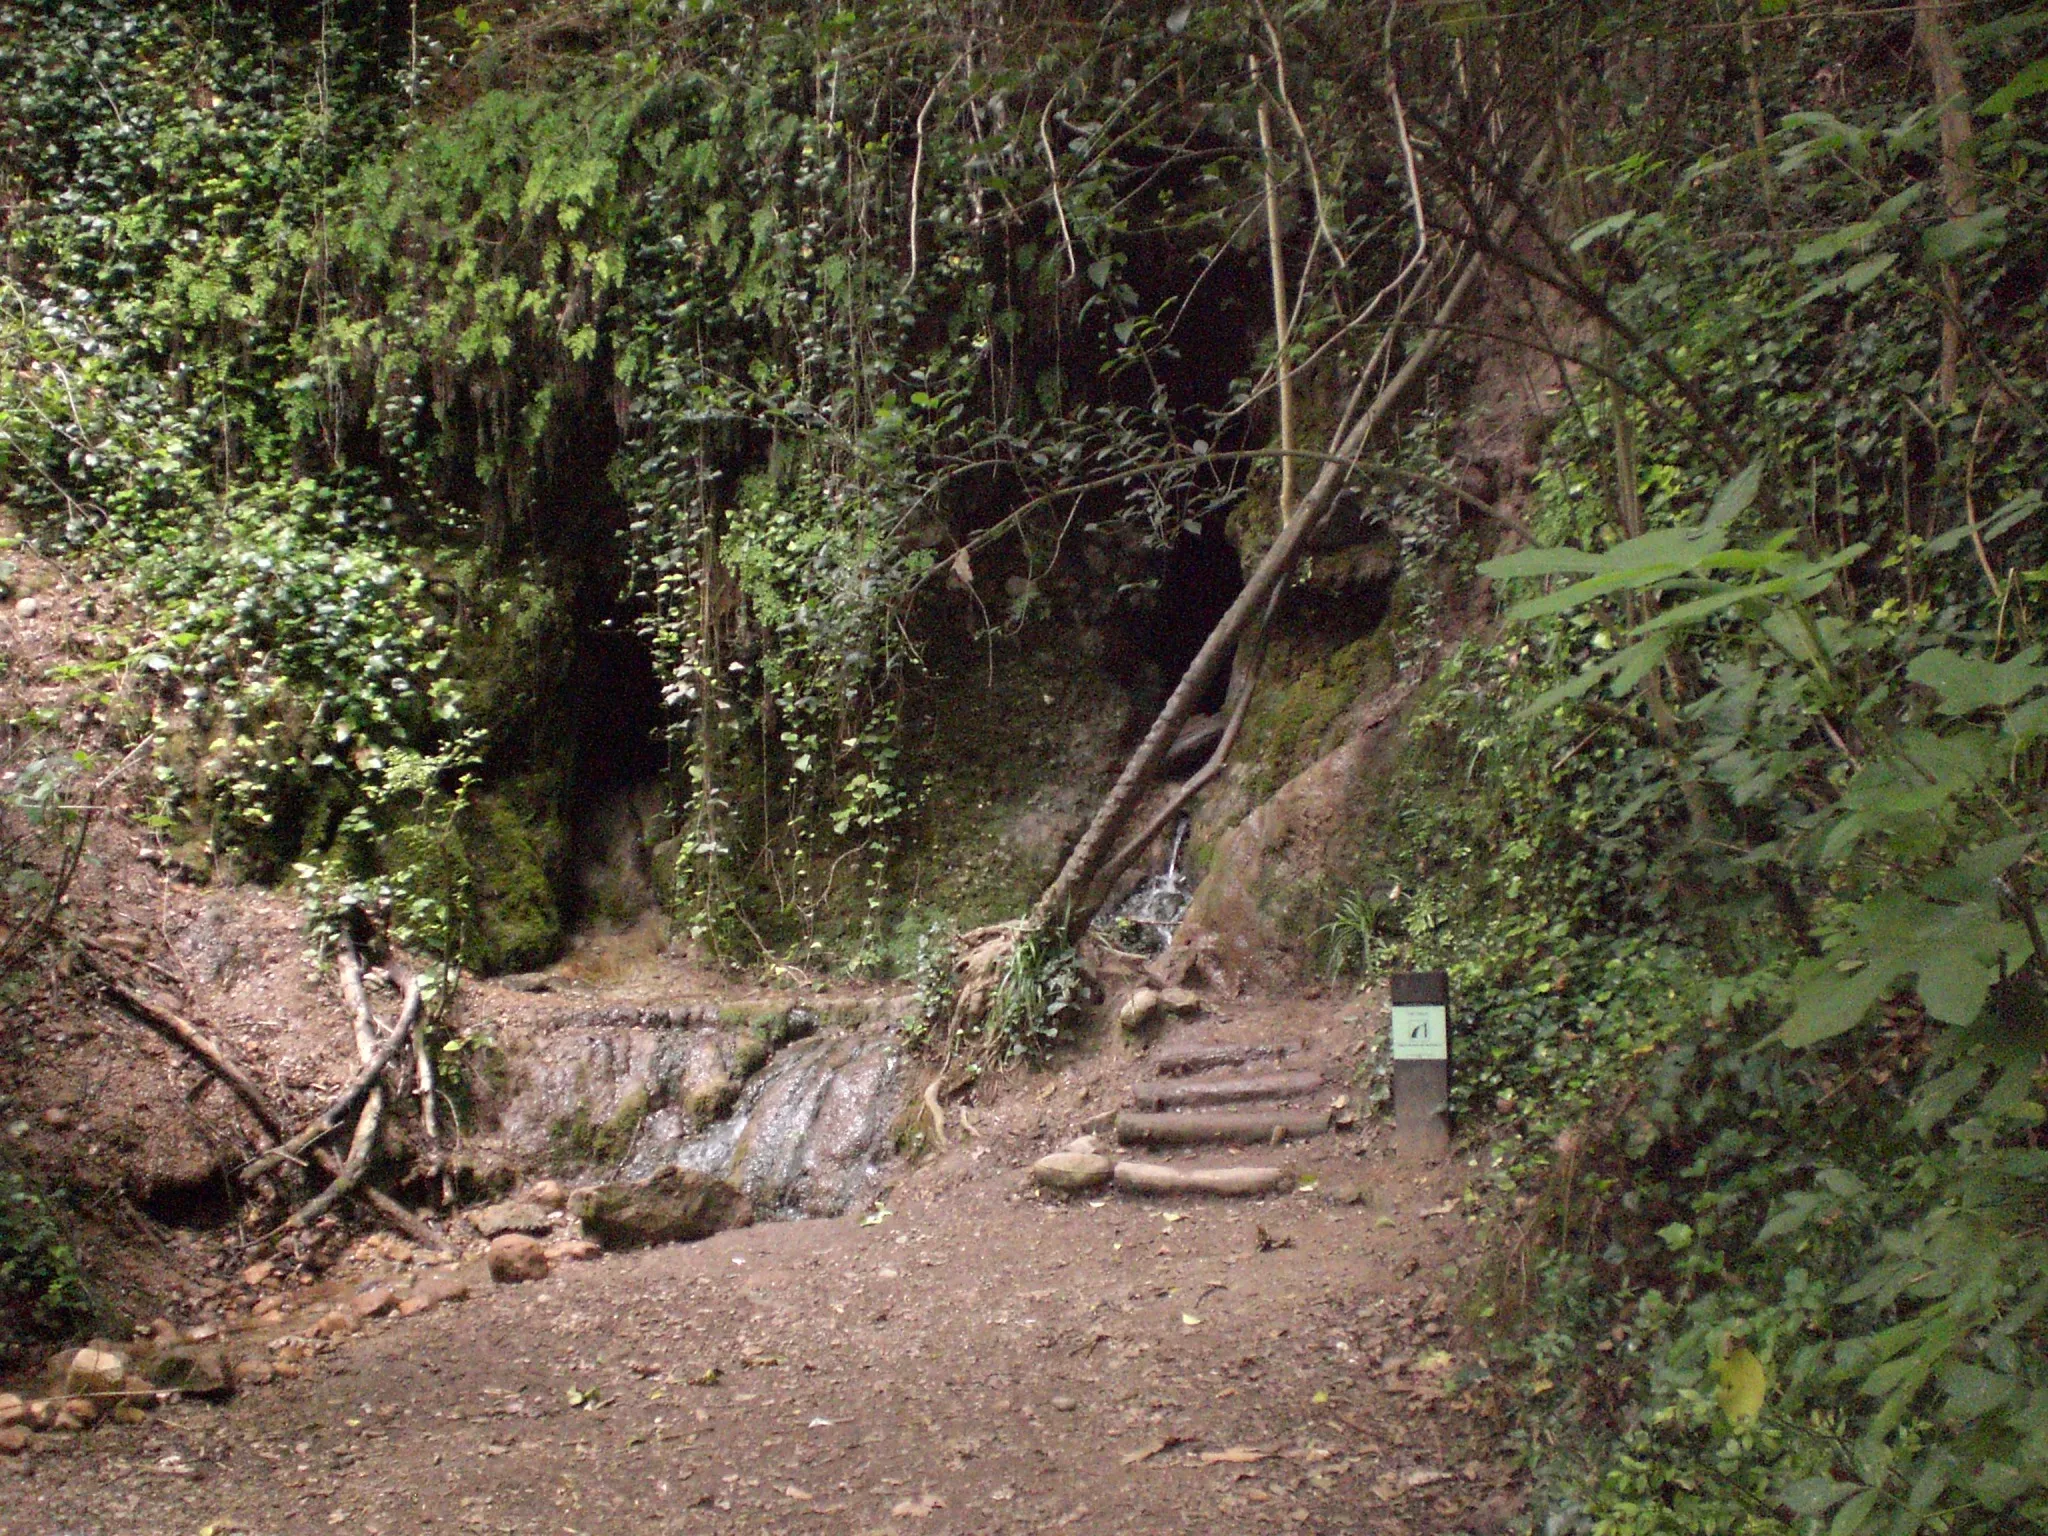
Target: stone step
1186,1060
1194,1127
1208,1092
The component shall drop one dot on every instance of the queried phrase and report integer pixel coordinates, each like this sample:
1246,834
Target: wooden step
1193,1128
1159,1179
1185,1060
1208,1092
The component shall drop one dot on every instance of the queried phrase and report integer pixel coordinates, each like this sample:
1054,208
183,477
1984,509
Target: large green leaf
1967,683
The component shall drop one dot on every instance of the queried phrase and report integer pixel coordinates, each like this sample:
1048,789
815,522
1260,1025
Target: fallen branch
195,1042
330,1119
368,1047
190,1038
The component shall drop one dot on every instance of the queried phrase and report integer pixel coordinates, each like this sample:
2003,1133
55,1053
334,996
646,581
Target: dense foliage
1747,802
387,355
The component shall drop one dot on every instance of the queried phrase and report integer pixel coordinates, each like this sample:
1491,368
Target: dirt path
980,1359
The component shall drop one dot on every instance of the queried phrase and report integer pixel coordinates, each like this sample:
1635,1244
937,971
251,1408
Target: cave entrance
1198,578
610,705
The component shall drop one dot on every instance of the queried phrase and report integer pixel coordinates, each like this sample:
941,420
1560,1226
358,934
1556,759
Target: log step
1185,1060
1206,1093
1190,1129
1159,1179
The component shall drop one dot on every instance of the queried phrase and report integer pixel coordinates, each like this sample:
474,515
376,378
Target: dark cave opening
1197,579
609,707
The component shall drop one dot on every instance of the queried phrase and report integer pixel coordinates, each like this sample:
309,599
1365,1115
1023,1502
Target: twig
917,164
1053,166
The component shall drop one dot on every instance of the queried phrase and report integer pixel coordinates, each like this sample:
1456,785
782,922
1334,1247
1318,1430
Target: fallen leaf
1189,1320
710,1377
1236,1453
1268,1242
1445,1209
794,1492
1164,1443
918,1508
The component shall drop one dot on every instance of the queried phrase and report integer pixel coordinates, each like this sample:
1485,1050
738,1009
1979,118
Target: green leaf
1816,1495
1855,1514
1613,223
1967,683
1736,495
1973,1391
2029,82
1957,238
1743,1387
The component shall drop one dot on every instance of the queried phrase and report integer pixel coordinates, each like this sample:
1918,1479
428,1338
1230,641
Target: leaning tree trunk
1067,904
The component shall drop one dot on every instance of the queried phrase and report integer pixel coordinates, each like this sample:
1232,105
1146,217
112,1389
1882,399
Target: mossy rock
511,859
579,1141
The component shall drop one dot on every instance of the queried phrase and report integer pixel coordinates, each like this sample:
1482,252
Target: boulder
1180,1000
1072,1172
200,1369
1138,1010
13,1440
91,1369
12,1410
335,1325
548,1194
439,1288
515,1257
675,1206
510,1216
574,1251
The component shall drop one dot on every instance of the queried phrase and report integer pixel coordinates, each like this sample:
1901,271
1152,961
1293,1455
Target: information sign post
1421,1041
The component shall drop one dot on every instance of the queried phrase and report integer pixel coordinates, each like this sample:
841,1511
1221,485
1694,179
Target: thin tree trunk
1958,185
1064,903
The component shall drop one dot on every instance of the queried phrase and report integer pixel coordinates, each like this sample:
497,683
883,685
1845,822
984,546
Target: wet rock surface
790,1103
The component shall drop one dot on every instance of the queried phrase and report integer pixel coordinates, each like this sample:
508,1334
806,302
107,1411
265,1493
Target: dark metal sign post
1421,1040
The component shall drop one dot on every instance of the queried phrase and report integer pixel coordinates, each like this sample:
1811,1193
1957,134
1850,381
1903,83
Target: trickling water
807,1137
1148,916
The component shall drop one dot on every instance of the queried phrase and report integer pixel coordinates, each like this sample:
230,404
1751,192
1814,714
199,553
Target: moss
511,859
577,1141
1288,726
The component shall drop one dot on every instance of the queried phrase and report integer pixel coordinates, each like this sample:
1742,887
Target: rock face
515,1257
804,1130
1071,1172
675,1206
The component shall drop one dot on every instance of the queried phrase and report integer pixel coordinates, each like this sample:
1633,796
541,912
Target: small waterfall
1145,919
807,1136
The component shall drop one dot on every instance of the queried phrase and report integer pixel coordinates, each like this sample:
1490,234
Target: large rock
509,1216
200,1369
1138,1010
1072,1172
515,1257
95,1368
675,1206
